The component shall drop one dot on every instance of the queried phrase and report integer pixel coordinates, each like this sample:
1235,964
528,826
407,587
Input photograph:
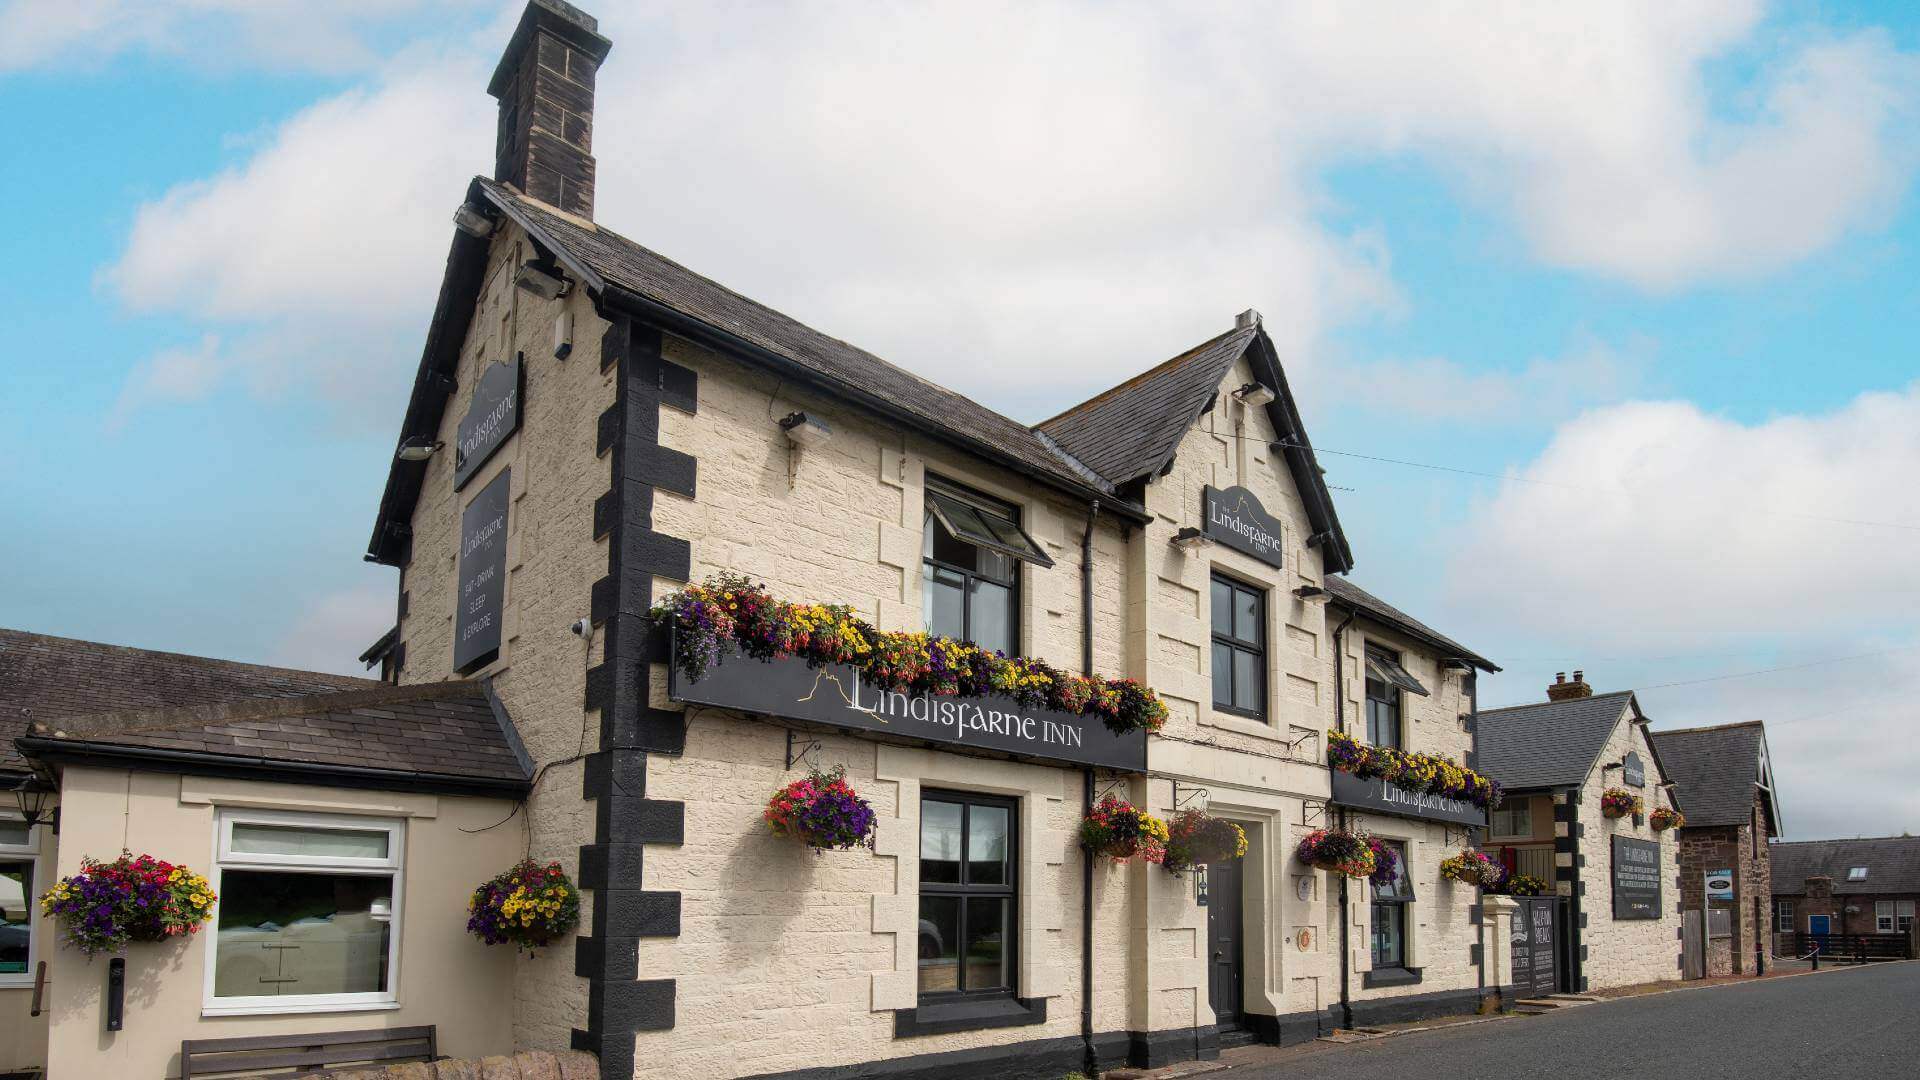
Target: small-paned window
1513,822
1783,916
1390,914
309,913
968,904
1239,648
1893,916
1856,873
971,550
20,881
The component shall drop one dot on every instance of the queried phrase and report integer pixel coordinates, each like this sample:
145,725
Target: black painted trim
1400,1010
945,1017
1289,1029
1033,1059
1156,1049
200,763
1393,976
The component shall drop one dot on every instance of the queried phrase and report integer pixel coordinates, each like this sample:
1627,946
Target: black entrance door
1537,928
1224,935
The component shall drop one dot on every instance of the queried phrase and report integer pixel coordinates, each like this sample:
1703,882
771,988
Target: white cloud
1542,392
1029,201
332,633
180,374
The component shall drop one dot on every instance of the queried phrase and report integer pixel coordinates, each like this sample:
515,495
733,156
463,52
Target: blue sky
1653,272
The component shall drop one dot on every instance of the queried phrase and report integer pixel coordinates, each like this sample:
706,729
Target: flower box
1422,774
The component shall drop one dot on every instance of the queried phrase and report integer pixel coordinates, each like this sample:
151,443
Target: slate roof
1715,771
1549,743
42,676
421,735
1346,592
1893,864
1132,430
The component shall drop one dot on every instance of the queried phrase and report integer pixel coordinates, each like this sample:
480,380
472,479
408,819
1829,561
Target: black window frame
970,574
1010,891
1390,696
1255,649
1392,905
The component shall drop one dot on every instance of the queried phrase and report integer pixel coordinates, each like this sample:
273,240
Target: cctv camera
582,628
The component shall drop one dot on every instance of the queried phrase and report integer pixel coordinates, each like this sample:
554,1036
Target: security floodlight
417,448
541,282
470,220
1190,539
804,431
1253,394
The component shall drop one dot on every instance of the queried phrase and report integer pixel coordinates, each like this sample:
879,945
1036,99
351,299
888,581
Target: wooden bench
305,1054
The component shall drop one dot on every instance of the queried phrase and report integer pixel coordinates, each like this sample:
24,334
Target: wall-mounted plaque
1379,796
836,695
492,416
1635,770
1636,878
1234,517
483,576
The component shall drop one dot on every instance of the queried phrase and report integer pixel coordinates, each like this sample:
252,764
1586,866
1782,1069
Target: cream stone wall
1624,952
23,1036
446,977
553,560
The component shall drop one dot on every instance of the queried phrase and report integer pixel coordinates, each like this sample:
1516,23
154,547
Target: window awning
986,529
1389,671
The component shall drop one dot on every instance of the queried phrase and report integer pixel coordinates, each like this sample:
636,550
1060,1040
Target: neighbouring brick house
1723,782
1865,886
1557,760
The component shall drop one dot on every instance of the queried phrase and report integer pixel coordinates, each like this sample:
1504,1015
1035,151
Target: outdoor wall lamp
1253,394
1312,594
804,431
545,282
1190,539
469,219
417,448
32,801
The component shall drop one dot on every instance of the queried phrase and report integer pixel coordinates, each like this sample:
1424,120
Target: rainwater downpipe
1346,915
1090,1061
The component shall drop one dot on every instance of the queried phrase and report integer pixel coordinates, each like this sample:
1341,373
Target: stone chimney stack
1562,690
545,87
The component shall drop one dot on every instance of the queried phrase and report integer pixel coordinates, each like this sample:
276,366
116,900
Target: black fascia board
1284,413
1448,649
199,763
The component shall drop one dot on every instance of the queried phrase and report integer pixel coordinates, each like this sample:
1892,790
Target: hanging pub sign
1234,517
1382,797
1636,878
483,576
834,694
1635,769
493,415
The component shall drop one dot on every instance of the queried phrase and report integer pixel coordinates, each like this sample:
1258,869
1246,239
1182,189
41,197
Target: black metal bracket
1312,811
808,747
1466,833
1191,793
1105,788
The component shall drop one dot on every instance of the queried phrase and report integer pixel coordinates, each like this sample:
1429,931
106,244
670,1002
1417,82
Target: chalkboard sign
1636,878
1635,769
483,576
493,415
1534,948
1234,517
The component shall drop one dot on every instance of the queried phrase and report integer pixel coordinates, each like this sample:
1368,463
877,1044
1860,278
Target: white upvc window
1513,822
1893,916
20,883
308,916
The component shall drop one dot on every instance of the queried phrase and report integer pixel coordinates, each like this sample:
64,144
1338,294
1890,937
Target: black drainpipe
1340,721
1090,1063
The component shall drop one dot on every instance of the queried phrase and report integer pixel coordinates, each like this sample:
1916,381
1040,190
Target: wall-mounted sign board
483,575
1234,517
836,695
1635,770
1380,797
1636,878
492,416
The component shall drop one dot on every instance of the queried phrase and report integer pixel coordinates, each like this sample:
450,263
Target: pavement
1857,1023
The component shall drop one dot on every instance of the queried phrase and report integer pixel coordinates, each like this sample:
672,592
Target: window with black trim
1390,913
1383,698
1239,648
972,547
969,909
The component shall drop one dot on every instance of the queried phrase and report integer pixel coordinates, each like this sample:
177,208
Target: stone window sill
968,1014
1389,977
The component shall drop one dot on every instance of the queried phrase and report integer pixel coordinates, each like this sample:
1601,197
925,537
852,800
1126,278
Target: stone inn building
593,431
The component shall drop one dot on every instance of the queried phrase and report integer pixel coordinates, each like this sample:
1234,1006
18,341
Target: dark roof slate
43,677
1132,430
1893,864
446,729
1549,743
1353,596
1715,770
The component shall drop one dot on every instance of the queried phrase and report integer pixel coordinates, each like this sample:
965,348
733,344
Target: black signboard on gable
1235,518
1636,878
835,695
1635,770
493,415
483,576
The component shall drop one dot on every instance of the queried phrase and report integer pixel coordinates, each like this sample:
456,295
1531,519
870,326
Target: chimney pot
1562,690
544,83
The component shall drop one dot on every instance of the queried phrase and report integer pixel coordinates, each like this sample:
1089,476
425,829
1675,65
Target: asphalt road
1855,1023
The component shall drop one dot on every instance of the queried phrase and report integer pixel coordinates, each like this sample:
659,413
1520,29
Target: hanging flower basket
1118,830
1667,818
1619,802
529,905
822,811
1386,862
1195,838
1470,867
1422,773
1338,852
731,611
107,905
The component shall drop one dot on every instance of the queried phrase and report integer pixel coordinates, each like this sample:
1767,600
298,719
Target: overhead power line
1771,670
